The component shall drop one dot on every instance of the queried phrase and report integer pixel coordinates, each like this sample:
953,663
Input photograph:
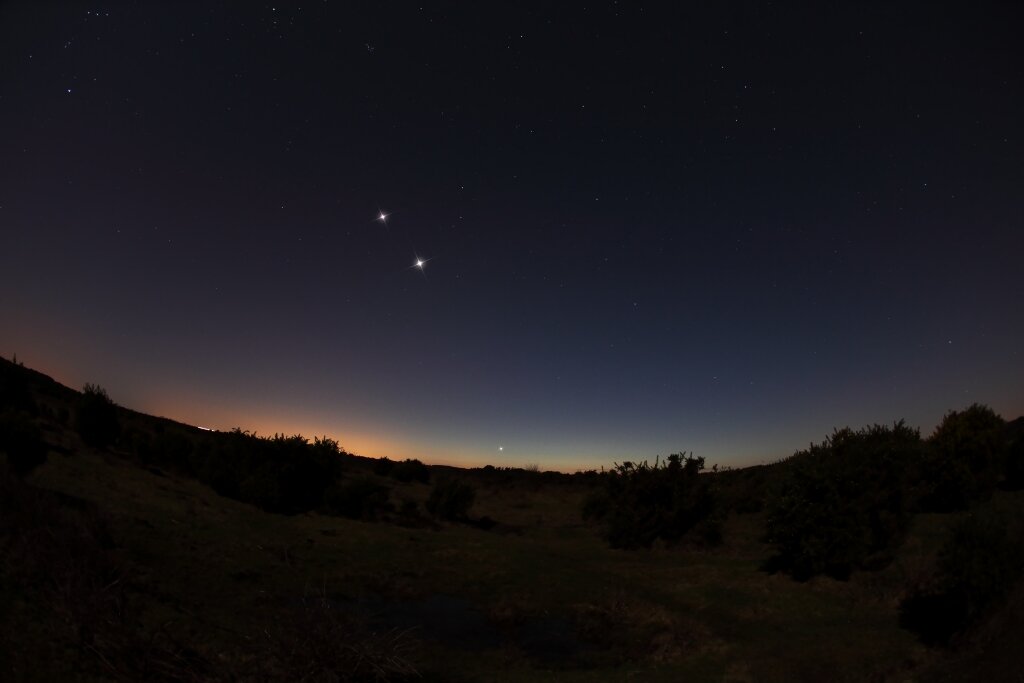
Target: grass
217,571
210,589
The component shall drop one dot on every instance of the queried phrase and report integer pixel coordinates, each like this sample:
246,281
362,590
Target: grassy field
216,571
539,597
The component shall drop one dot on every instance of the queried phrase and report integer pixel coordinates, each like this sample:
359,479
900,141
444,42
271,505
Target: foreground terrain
114,571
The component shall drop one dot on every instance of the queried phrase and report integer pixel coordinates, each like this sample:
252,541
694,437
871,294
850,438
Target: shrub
382,466
641,503
362,498
23,443
451,499
966,453
96,417
844,503
410,470
978,564
262,488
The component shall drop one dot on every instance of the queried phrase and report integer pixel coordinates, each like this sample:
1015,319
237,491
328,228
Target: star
501,448
382,217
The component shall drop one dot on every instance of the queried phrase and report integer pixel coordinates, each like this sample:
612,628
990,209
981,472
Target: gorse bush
410,470
284,474
846,502
641,503
979,563
358,498
96,417
965,459
451,499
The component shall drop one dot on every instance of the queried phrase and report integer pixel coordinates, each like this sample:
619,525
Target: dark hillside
173,553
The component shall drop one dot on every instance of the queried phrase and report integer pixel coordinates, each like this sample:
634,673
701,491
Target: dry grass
214,589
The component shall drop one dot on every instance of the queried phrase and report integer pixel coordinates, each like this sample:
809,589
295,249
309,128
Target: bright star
501,448
419,263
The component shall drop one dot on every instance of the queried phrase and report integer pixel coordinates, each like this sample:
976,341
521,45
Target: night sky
644,229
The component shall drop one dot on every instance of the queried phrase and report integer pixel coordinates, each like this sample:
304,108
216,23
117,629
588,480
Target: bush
410,470
23,443
361,498
641,503
845,503
965,458
96,417
451,499
382,466
978,564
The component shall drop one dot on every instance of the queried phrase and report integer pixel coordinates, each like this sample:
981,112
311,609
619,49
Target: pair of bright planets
419,262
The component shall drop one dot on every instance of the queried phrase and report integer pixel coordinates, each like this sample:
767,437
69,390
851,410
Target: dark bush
410,470
360,498
979,563
641,503
96,417
844,503
23,443
262,488
964,461
451,499
283,474
382,466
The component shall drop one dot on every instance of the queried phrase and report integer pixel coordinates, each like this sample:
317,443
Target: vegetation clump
358,498
978,565
641,503
965,458
845,503
96,418
410,470
451,499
